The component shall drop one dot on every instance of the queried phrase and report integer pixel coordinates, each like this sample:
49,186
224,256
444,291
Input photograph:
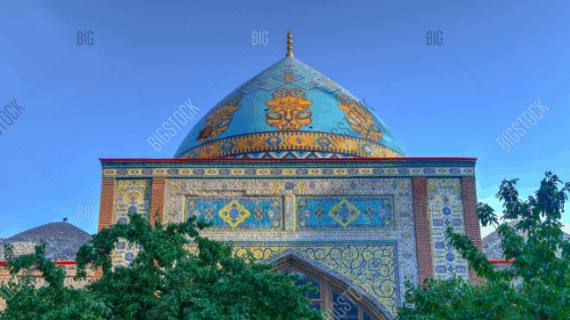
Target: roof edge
285,160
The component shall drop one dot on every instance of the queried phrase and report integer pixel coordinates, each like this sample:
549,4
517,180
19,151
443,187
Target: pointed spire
289,43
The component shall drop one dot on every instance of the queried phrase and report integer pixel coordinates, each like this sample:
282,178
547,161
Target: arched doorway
335,300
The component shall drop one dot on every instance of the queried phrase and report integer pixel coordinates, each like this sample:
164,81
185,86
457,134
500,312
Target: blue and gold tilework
397,191
359,118
290,107
240,209
124,253
131,195
345,212
271,143
371,266
320,172
446,209
288,110
217,122
237,213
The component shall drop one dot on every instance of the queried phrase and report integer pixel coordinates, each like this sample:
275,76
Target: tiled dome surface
62,241
290,107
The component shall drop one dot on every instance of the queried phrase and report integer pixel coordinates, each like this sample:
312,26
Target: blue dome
290,111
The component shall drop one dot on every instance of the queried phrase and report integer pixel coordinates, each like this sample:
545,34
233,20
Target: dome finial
289,43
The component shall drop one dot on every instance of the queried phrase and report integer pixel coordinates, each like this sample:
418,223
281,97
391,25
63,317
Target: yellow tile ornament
344,213
234,213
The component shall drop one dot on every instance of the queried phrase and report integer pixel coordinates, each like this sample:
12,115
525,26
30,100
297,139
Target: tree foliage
52,302
164,281
545,290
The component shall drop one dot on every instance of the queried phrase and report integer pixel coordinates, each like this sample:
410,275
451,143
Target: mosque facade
295,168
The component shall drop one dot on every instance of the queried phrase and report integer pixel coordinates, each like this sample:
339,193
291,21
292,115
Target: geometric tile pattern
294,189
446,209
299,141
290,155
344,212
288,172
365,212
124,253
371,267
237,213
233,213
131,195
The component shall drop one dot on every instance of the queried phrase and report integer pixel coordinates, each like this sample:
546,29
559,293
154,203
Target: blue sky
104,100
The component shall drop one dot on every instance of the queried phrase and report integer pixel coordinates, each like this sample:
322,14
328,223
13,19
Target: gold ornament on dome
359,119
289,43
288,77
288,110
218,122
331,83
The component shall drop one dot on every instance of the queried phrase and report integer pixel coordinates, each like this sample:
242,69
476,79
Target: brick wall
107,206
158,199
106,211
423,245
472,228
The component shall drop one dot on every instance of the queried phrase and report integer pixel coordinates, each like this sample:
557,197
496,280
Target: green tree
545,290
51,302
166,281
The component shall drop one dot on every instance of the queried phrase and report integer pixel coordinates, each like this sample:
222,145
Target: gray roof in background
62,239
492,243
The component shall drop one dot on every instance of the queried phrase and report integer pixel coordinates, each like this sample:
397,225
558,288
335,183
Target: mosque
294,167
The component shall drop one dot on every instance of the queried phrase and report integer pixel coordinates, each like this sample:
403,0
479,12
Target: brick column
107,205
158,199
472,228
106,212
423,237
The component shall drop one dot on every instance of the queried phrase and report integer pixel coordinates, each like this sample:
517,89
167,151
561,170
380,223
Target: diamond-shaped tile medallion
273,141
234,213
323,142
344,213
227,146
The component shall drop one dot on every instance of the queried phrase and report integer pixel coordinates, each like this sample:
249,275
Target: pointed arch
333,282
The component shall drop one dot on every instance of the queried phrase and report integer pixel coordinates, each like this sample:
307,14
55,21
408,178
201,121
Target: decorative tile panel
289,172
446,209
403,230
237,213
131,195
300,141
369,267
290,190
336,212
